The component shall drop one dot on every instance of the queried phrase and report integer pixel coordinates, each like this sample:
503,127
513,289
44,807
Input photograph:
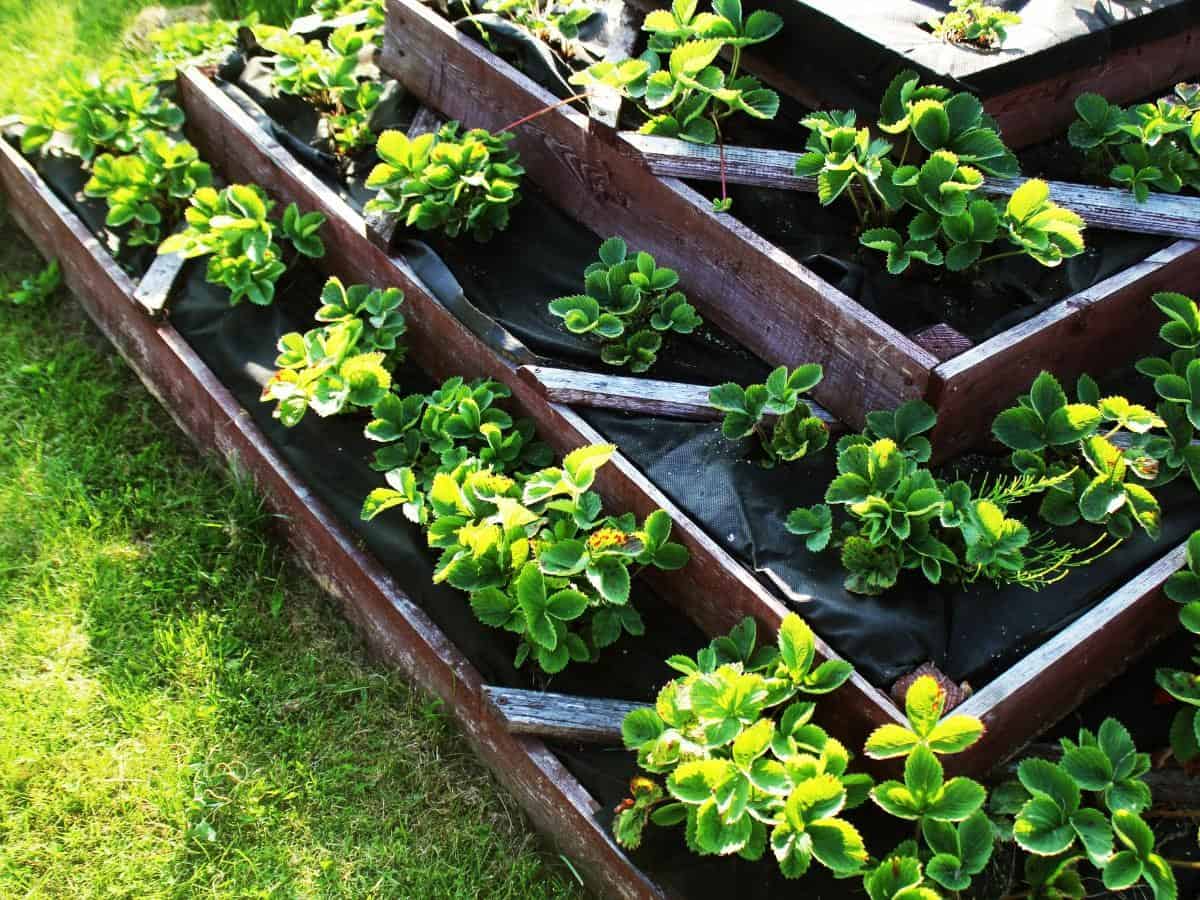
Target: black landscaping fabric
851,50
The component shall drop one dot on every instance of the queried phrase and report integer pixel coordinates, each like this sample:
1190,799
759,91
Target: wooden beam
560,716
154,290
1113,209
644,395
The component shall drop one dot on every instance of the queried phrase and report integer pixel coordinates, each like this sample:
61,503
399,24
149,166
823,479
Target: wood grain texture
714,590
754,291
1114,209
642,395
1095,330
1060,674
154,290
563,717
394,628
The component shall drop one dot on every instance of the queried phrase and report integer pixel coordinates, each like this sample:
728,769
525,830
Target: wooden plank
755,292
394,628
1094,330
1060,674
645,395
154,289
1114,209
562,717
713,589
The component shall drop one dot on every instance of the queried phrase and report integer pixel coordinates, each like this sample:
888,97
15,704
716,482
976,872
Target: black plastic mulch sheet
849,51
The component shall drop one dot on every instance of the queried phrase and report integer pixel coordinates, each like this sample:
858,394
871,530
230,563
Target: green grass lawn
182,714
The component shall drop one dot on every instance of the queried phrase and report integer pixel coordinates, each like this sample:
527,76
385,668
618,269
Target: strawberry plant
335,9
743,765
148,189
109,110
345,364
974,23
447,181
36,289
949,147
677,82
901,516
1147,147
187,44
554,22
234,229
1184,588
425,433
326,77
628,304
1078,446
795,433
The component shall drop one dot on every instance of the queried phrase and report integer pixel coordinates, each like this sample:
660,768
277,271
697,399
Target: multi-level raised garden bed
206,363
779,308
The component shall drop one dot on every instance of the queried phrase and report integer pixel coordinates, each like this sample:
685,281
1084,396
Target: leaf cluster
148,189
36,289
346,363
234,229
1184,588
956,836
335,9
949,147
109,110
554,22
796,431
325,76
678,83
532,548
1149,146
746,768
628,304
189,43
447,181
974,23
1085,808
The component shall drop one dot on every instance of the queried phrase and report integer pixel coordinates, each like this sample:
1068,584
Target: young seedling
628,304
233,228
1147,147
344,365
325,76
446,181
949,148
975,24
147,191
796,431
743,765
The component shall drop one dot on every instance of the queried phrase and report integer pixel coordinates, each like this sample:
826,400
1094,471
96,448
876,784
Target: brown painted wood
943,341
394,628
1093,330
713,589
563,717
644,395
752,290
1059,675
1114,209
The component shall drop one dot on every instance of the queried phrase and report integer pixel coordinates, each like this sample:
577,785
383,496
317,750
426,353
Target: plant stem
857,209
733,66
1182,863
1173,814
543,111
996,256
721,151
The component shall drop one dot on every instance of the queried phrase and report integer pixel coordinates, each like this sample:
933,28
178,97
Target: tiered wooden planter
1144,58
714,590
753,290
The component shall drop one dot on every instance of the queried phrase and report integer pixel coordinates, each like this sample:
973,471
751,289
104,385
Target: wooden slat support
642,395
943,341
561,717
1114,209
154,290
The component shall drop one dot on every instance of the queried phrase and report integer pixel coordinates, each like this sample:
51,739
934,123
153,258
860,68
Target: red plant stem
543,111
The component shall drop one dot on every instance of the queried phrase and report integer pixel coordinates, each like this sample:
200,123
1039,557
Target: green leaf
923,705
